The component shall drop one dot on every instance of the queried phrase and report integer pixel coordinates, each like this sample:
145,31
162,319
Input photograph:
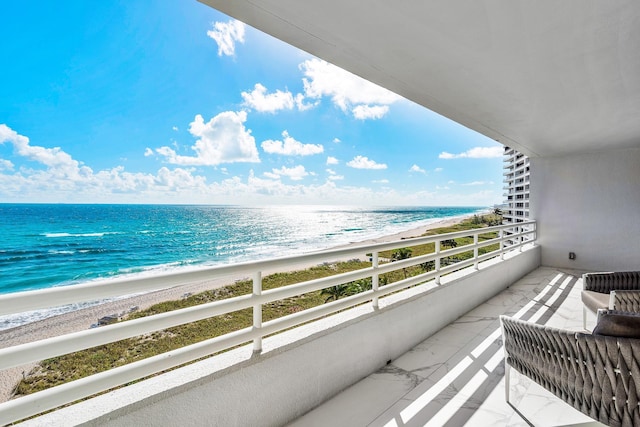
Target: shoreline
83,318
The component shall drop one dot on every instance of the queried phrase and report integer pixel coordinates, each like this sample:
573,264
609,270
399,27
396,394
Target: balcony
502,69
517,75
456,376
303,366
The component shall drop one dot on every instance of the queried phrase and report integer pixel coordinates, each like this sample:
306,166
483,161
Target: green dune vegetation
59,370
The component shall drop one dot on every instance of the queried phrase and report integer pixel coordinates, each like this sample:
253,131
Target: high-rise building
516,186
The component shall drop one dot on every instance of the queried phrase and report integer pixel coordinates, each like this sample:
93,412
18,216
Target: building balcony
433,347
521,194
453,377
287,374
456,376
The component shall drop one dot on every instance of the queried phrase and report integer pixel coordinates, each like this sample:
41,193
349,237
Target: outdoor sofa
618,290
598,374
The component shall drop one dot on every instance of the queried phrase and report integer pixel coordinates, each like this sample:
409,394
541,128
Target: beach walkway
456,377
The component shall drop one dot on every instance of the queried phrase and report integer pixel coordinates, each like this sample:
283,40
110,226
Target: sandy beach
82,319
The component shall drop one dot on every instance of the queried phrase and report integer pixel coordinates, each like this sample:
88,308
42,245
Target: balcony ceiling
546,77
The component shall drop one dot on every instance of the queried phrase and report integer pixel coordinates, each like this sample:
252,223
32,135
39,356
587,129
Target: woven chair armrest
597,375
539,348
608,311
609,281
609,367
625,300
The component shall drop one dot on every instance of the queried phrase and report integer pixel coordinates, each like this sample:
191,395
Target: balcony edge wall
300,368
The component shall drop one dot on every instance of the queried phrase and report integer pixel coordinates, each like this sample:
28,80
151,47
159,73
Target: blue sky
174,102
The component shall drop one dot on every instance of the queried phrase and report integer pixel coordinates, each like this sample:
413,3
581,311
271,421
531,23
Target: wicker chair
597,375
613,290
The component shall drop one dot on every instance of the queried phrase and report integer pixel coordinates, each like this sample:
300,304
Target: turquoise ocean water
53,245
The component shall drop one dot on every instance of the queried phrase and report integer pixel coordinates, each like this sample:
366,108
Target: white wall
300,368
588,204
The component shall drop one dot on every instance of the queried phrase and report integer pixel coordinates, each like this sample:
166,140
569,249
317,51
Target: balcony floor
456,377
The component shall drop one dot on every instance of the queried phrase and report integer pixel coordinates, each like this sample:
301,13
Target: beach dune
83,318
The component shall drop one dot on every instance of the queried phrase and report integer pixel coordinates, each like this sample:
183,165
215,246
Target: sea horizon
48,245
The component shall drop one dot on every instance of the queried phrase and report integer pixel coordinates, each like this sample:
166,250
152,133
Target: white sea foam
258,236
12,320
18,319
65,252
100,234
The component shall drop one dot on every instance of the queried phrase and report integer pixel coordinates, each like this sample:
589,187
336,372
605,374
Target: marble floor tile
363,402
426,359
541,408
508,298
474,324
451,335
408,412
456,376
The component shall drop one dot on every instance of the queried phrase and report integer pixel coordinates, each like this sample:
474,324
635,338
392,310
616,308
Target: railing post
374,279
475,251
257,311
520,238
534,236
437,243
502,244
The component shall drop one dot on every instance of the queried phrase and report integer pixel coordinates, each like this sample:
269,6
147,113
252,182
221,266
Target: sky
174,102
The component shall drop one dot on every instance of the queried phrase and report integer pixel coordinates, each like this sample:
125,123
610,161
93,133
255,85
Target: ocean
45,245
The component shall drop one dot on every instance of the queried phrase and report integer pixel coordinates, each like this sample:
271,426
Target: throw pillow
618,324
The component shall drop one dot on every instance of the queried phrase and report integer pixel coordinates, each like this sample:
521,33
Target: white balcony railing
23,407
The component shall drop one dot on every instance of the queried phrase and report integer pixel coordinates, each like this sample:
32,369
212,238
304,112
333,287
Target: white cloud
332,161
58,177
271,175
301,105
6,164
364,112
333,175
59,163
291,147
259,100
416,168
50,175
175,128
337,140
438,170
226,34
148,152
361,162
223,139
179,178
295,173
475,153
474,183
224,171
364,99
265,191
